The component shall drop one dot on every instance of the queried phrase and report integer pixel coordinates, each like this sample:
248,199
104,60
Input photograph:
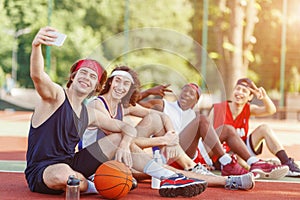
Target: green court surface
12,166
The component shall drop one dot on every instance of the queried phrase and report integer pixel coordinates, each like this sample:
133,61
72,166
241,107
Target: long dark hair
133,94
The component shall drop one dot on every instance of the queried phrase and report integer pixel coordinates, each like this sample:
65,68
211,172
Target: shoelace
232,185
292,164
200,168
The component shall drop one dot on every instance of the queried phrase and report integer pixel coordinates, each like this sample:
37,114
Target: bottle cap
73,181
155,148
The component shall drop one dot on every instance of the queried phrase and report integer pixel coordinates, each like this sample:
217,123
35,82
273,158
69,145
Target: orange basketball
113,179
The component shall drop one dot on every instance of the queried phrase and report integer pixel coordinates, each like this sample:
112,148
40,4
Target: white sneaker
200,169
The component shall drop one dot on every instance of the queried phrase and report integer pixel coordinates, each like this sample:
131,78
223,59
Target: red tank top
223,115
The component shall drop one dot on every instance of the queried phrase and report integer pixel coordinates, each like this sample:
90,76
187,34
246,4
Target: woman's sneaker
242,182
180,185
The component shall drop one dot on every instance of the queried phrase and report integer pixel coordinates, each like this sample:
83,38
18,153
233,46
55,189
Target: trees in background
243,37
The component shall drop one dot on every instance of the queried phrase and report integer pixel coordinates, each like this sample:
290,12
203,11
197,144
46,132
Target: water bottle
73,189
155,183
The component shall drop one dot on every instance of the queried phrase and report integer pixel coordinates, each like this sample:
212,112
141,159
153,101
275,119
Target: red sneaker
267,170
233,168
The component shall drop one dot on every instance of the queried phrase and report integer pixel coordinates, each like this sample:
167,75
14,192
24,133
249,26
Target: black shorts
86,161
251,148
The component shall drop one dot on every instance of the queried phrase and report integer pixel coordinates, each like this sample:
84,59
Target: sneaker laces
292,165
200,169
231,184
244,182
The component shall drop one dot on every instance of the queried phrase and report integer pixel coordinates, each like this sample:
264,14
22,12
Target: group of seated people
226,129
61,120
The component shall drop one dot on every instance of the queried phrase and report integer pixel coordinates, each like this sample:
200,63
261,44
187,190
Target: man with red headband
60,119
236,114
192,126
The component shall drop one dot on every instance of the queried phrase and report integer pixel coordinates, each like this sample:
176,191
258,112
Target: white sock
157,171
91,188
252,160
225,159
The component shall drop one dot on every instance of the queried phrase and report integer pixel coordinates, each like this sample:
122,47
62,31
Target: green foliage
88,24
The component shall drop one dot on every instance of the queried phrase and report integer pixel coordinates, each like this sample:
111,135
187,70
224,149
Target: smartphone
60,39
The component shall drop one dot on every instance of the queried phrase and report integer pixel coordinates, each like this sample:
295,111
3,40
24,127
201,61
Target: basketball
113,179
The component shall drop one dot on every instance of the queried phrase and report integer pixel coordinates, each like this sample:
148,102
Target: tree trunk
235,67
234,60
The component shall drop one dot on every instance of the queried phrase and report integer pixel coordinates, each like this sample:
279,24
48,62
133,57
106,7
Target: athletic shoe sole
277,173
185,191
293,174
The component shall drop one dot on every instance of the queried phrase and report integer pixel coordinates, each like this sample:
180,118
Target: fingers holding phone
49,36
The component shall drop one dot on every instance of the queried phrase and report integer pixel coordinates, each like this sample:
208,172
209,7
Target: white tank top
180,118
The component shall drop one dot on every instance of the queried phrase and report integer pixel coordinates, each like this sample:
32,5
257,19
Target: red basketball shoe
267,170
233,168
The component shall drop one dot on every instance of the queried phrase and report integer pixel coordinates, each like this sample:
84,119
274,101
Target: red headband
195,87
92,64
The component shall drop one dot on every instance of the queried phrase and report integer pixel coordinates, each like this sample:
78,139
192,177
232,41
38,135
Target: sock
252,160
283,157
157,171
225,159
91,188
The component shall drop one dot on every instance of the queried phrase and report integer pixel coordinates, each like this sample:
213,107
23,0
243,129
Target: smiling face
188,97
241,94
85,80
119,87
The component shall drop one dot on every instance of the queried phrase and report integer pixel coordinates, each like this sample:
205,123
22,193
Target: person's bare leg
228,134
182,159
150,125
141,159
56,176
200,127
264,132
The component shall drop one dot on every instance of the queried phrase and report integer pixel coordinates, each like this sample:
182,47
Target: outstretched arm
156,104
47,89
158,90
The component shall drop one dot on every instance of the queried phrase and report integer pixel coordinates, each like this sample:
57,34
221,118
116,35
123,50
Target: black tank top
55,140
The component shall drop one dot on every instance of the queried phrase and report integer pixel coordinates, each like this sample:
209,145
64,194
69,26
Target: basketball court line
12,166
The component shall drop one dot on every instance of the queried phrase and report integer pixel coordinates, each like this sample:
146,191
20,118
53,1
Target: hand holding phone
59,40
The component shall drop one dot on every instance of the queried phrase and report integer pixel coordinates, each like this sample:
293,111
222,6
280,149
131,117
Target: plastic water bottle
155,183
73,189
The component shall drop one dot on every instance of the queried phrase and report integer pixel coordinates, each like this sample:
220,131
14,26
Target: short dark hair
246,82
